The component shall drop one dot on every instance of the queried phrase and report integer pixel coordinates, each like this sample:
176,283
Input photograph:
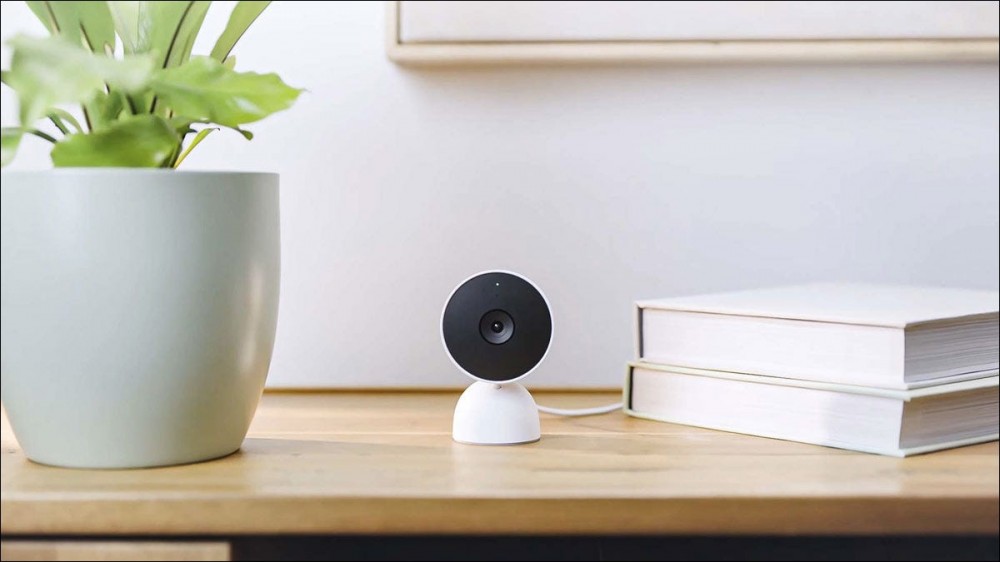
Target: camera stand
496,414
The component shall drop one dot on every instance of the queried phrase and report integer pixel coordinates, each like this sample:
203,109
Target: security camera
497,328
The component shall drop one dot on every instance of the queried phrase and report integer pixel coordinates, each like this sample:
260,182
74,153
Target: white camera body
496,327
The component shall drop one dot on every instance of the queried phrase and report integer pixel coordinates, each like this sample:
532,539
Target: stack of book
890,370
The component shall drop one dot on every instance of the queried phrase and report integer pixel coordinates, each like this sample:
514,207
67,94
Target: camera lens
496,327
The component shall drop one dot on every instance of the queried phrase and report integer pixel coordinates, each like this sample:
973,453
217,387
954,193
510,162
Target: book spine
637,331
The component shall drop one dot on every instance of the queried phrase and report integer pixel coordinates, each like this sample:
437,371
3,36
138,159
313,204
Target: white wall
603,184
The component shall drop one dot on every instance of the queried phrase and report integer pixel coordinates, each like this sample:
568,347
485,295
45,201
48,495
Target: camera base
496,414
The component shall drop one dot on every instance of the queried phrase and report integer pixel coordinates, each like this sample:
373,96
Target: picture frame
494,49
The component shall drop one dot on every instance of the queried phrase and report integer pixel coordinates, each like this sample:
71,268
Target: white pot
138,312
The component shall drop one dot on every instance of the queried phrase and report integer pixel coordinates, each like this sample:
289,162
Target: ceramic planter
138,312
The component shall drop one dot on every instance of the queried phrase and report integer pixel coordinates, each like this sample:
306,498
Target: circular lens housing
496,327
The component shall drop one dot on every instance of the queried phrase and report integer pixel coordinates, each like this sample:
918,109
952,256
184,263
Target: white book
888,422
869,335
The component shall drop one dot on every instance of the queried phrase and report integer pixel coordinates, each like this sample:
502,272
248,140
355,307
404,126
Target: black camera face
497,326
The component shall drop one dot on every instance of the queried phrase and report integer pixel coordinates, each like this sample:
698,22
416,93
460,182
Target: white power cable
607,409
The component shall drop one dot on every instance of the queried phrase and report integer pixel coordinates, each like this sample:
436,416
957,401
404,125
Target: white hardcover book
888,422
868,335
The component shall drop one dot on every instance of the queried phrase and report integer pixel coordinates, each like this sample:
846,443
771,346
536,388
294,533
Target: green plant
138,110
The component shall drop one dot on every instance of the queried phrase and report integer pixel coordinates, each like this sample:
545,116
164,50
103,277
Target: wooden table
352,464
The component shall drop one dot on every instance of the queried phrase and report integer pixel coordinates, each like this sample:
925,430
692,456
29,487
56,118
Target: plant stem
170,49
59,125
170,162
86,117
131,104
42,135
177,31
55,22
86,39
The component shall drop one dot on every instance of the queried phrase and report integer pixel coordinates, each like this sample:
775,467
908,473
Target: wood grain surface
375,463
113,550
